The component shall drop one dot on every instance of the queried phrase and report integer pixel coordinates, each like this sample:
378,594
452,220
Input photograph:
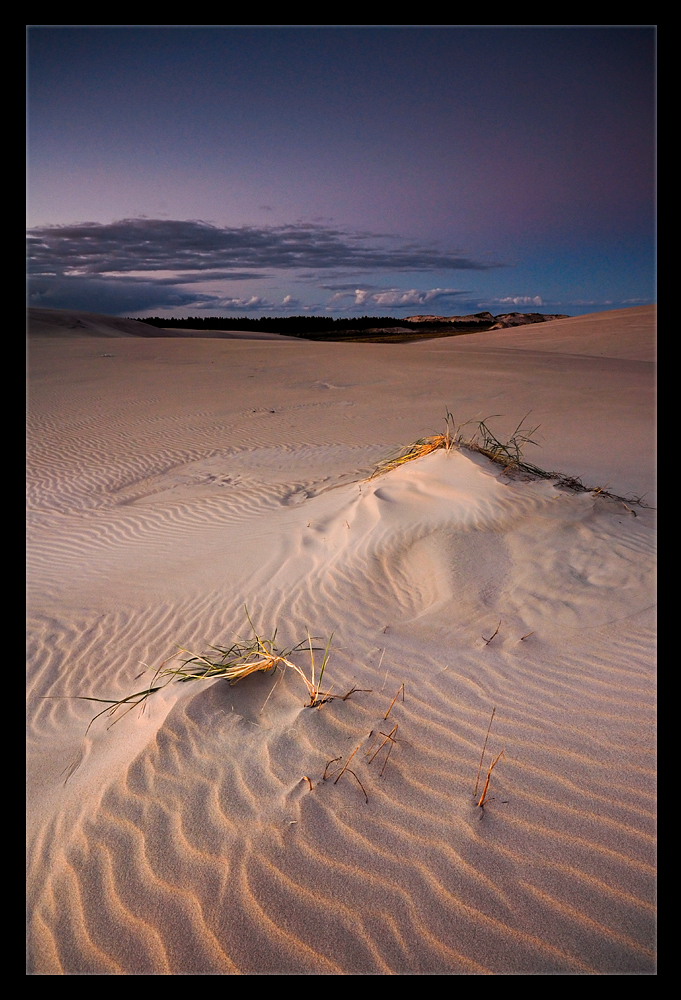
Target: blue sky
341,171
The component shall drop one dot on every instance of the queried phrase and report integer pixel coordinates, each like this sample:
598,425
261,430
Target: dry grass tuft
232,663
508,454
420,448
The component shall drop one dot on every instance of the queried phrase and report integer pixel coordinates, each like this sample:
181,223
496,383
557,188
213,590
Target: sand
174,481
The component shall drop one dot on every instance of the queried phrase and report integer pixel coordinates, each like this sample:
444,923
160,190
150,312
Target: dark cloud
192,277
195,246
112,297
124,296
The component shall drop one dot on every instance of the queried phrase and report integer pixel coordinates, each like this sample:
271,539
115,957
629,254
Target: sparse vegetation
481,801
231,663
508,454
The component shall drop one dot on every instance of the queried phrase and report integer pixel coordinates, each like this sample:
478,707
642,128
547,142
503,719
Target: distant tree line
291,325
309,327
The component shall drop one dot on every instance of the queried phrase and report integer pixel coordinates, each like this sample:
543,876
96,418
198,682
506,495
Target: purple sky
387,171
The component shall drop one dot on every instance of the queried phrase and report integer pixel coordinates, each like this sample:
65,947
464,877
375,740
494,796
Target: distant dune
483,319
71,323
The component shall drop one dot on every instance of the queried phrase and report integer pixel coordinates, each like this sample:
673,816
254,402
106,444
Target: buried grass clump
231,663
508,454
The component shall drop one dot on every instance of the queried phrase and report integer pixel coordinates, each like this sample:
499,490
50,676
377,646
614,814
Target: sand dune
172,482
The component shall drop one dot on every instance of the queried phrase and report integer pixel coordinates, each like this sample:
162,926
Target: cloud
255,302
521,300
592,302
92,248
396,298
111,296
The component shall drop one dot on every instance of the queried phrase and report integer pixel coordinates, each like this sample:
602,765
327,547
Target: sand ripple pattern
189,840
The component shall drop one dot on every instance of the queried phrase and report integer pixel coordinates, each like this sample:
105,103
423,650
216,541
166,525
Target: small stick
484,791
354,689
350,771
328,765
392,744
386,670
483,752
346,764
389,736
493,634
394,700
305,778
525,636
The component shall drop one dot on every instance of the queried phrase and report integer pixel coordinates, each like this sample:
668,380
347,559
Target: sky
339,170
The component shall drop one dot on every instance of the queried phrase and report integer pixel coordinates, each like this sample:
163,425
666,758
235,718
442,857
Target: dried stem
388,736
346,764
483,752
401,688
484,791
487,641
328,765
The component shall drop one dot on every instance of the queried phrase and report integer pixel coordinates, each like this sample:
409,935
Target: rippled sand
171,483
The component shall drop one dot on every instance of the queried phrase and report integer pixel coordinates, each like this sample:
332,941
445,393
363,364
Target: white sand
174,480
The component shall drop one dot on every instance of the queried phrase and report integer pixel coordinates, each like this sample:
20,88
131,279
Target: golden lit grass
508,454
231,663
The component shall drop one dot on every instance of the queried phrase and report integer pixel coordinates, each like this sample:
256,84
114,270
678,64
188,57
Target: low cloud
521,300
112,296
252,304
194,246
397,298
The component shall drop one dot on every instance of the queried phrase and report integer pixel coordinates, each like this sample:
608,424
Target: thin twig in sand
388,736
484,791
487,641
386,669
349,770
328,765
401,688
353,690
484,746
344,768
